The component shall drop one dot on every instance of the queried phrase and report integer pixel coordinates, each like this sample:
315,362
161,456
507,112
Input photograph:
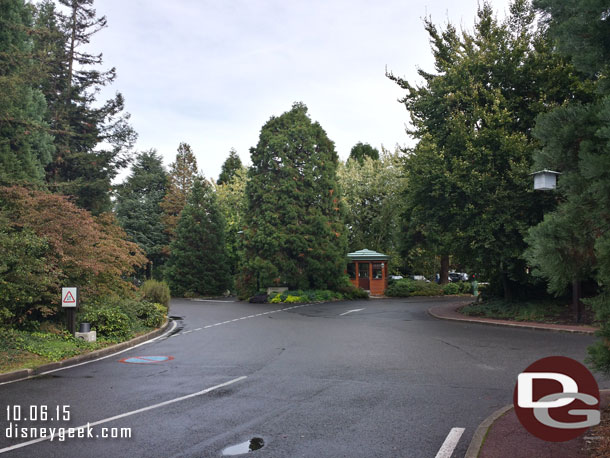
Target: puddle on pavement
245,447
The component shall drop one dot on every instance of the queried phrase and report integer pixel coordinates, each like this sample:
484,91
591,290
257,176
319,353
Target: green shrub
156,292
109,322
294,299
422,288
466,287
451,288
276,299
399,288
542,310
350,292
151,315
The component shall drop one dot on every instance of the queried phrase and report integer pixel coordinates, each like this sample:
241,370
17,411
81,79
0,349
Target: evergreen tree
361,150
138,207
573,242
295,234
93,141
197,264
26,145
229,167
182,174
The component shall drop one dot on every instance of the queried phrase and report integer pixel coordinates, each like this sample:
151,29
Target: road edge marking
126,414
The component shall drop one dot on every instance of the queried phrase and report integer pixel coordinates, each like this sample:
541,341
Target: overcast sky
212,72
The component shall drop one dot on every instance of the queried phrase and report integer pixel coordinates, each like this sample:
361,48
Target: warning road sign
69,297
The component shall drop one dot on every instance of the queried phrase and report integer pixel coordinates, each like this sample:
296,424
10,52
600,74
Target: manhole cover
245,447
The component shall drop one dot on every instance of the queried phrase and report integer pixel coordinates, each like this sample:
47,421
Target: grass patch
544,311
27,350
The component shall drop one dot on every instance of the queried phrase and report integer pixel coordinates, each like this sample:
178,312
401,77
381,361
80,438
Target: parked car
419,278
395,277
458,276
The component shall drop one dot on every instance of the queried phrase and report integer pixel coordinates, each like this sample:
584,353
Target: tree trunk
444,269
576,303
508,293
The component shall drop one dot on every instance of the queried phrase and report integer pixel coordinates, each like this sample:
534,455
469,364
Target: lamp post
546,180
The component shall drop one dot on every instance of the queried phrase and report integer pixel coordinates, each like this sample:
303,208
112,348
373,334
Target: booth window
351,270
377,270
363,270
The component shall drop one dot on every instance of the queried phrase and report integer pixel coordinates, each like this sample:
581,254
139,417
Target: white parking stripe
450,443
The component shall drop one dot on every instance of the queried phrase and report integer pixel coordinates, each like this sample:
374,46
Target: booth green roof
367,255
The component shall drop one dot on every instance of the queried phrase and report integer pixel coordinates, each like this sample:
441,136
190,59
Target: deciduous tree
475,114
372,194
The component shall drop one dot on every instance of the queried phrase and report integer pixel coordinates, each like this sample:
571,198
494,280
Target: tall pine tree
138,207
229,167
295,235
182,174
93,141
572,244
197,264
26,144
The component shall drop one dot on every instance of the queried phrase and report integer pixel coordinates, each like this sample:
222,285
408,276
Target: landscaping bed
542,311
407,287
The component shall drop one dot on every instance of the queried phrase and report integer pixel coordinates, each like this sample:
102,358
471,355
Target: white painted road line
450,443
126,414
350,311
210,300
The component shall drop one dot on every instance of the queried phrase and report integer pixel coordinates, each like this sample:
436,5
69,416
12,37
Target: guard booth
368,270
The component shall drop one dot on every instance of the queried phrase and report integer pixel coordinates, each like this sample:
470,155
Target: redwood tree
295,235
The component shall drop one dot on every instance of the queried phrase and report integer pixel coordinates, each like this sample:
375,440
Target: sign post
69,301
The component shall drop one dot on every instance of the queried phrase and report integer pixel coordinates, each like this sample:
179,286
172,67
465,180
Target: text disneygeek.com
18,428
61,434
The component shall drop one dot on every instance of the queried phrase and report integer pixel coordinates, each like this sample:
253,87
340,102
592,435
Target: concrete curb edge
481,432
510,325
25,373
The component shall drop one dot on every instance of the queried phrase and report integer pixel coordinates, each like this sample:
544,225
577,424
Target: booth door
363,275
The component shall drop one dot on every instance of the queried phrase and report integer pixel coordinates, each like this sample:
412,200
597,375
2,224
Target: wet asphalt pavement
312,381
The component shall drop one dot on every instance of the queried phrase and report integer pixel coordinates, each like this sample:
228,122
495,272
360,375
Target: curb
529,325
25,373
478,438
479,435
